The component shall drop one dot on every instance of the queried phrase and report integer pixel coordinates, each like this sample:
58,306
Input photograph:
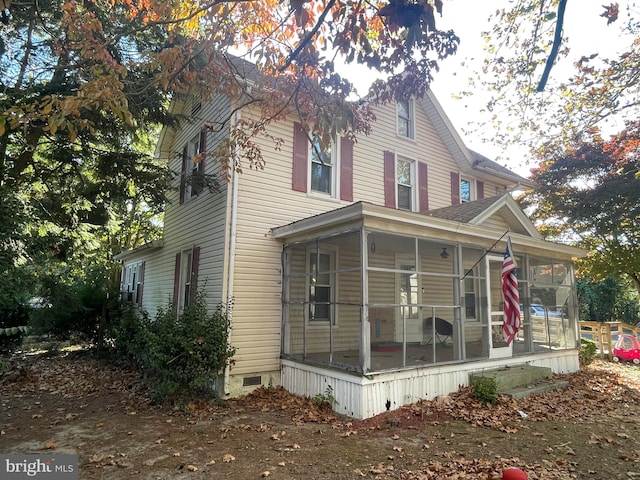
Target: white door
408,321
498,348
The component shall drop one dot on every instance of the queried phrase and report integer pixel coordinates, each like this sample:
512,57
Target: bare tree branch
311,34
557,40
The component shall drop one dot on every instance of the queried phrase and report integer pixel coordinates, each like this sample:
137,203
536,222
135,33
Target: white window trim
472,189
476,291
407,259
131,281
186,267
332,251
193,149
335,171
411,120
414,185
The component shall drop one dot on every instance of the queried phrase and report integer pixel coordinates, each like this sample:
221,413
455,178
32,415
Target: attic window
405,118
196,107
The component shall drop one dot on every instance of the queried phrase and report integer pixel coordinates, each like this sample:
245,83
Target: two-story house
338,260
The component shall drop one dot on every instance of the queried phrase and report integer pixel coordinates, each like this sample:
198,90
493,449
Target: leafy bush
587,352
14,317
326,398
484,389
72,310
181,356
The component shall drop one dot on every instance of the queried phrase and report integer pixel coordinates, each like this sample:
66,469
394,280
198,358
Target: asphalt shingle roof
464,212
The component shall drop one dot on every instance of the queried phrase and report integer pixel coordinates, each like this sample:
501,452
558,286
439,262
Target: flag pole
485,254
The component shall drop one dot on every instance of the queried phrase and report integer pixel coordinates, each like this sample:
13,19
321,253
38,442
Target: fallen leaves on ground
599,391
593,391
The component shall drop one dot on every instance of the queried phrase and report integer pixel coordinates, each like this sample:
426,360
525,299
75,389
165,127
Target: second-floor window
193,164
466,190
325,170
405,118
195,186
322,167
405,183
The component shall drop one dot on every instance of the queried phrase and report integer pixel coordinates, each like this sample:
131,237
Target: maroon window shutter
176,282
140,284
480,189
183,173
389,179
195,264
423,187
346,169
300,158
455,188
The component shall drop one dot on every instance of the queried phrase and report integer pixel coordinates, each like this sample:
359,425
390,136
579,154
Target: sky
587,33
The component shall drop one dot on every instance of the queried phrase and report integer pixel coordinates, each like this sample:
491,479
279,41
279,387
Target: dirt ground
71,403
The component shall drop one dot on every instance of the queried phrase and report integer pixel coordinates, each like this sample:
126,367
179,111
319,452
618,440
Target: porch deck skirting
363,396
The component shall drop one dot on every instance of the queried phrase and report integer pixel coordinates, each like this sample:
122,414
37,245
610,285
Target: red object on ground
514,473
627,348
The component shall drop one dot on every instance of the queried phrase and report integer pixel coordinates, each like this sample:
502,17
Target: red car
627,348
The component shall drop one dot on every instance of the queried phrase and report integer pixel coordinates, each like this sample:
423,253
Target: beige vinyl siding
266,200
496,222
346,329
200,221
427,147
494,187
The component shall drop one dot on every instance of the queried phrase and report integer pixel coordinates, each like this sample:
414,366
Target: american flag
511,323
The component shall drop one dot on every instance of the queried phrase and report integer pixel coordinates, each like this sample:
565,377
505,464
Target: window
405,118
193,162
404,181
195,185
132,278
409,292
185,281
466,194
470,297
320,291
322,171
187,262
325,170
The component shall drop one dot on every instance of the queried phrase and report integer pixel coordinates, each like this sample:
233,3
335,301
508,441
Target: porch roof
431,225
147,247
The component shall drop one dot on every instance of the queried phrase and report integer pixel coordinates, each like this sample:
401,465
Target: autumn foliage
589,193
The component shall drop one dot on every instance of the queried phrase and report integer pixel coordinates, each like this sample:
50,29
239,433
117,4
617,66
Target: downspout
232,252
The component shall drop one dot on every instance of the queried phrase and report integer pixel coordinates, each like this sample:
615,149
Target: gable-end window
405,183
405,119
194,150
193,163
132,282
321,289
466,190
322,167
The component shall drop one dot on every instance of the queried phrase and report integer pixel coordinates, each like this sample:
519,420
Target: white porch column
365,326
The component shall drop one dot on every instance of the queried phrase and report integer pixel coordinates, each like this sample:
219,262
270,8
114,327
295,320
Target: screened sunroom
370,290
